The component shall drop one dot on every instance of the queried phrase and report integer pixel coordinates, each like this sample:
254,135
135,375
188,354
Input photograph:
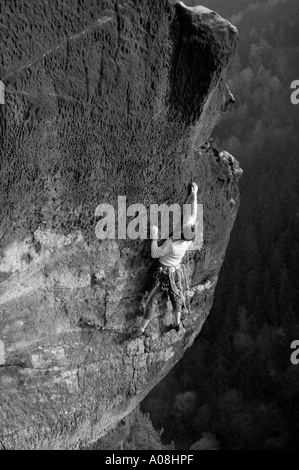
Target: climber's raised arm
156,251
190,219
194,203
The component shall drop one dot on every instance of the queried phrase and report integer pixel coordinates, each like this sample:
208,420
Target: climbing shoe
136,334
177,328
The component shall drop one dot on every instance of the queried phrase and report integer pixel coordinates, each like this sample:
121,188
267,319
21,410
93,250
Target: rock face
103,99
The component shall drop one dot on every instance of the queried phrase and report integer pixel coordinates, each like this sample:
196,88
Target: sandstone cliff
103,98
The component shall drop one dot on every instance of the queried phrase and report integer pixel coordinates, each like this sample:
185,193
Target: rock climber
170,276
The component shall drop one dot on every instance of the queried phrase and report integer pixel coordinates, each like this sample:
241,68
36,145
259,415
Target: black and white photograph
149,228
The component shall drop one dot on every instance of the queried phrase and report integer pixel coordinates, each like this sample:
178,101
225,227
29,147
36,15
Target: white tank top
175,256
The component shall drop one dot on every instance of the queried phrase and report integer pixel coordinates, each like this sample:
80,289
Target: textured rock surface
103,98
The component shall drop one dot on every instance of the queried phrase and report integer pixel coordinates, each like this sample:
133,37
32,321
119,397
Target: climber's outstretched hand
154,232
194,189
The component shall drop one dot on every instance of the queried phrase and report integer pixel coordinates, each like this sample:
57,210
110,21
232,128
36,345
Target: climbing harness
168,279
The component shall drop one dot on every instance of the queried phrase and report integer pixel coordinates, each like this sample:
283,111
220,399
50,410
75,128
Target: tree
143,435
275,85
207,442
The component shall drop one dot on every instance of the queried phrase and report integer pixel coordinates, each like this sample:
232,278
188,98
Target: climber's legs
177,316
177,312
176,297
177,325
142,327
149,313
